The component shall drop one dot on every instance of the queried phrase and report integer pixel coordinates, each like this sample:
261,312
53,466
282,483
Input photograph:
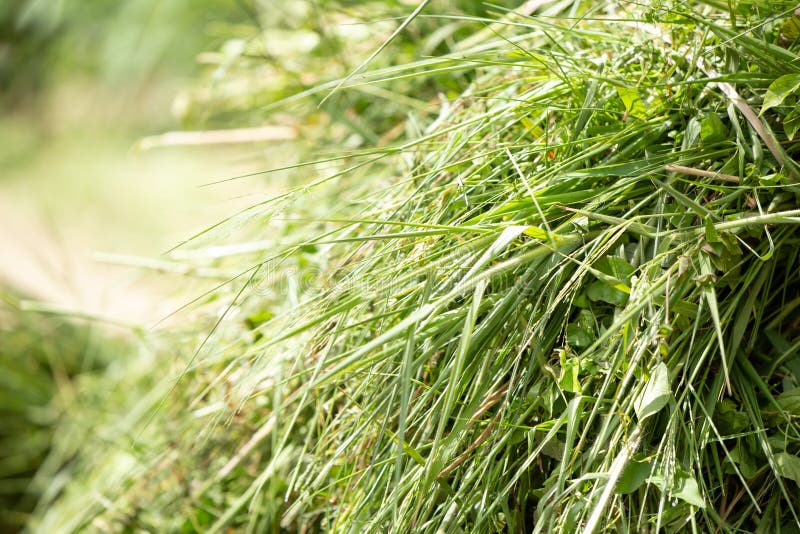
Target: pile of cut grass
566,302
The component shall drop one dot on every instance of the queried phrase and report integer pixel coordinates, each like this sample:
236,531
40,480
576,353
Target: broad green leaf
683,486
729,419
779,90
633,476
581,301
792,364
769,180
790,30
580,333
601,291
656,393
570,369
788,466
615,267
777,443
613,288
685,307
711,231
552,446
712,129
727,256
791,124
632,100
579,337
789,401
744,461
731,244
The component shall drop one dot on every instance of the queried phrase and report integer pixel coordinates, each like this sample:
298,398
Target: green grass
564,299
48,366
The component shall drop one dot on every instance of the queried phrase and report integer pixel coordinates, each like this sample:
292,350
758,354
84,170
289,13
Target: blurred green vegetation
80,80
45,362
45,42
288,56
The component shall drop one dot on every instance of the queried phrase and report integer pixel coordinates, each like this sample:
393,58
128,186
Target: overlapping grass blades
48,364
568,304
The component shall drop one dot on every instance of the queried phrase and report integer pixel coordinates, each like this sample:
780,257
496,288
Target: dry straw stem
682,169
260,134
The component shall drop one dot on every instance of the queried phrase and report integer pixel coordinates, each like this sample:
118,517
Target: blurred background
82,203
81,83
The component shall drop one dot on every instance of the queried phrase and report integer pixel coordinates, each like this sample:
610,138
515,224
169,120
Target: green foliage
43,359
544,303
656,393
122,43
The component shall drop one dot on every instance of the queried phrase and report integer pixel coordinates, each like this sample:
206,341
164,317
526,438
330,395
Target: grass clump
566,302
